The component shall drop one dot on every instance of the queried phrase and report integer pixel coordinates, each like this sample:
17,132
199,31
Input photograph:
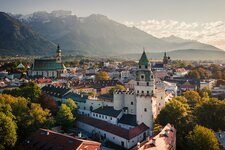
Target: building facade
48,67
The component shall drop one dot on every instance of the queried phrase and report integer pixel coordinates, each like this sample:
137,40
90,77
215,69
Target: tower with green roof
145,91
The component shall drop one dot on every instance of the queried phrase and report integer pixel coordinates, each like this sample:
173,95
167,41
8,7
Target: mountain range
97,35
19,39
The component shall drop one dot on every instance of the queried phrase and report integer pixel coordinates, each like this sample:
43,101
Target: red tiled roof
162,141
47,139
116,130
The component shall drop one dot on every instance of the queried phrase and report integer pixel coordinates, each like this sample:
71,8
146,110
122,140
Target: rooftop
143,60
116,130
76,97
56,91
108,111
48,139
128,119
165,140
46,64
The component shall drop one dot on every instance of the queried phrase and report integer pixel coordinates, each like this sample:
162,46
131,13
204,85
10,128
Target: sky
201,20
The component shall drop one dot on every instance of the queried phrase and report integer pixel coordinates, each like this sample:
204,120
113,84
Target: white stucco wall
111,137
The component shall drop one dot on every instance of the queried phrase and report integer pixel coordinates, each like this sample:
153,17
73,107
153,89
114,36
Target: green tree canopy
102,76
202,138
117,87
181,99
40,117
8,128
193,97
29,90
211,114
65,116
174,112
72,105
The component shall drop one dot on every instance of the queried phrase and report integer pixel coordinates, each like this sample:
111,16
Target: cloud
211,32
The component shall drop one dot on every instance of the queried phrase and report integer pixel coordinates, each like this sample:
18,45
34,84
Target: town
89,103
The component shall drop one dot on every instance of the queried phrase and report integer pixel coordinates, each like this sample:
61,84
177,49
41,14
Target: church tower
58,55
145,91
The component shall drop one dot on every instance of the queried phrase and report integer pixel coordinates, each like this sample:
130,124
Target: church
48,67
129,118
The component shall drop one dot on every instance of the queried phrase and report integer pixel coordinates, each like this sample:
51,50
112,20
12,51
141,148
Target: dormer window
146,66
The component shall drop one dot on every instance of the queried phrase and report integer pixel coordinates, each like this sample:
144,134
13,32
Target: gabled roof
128,119
76,97
143,60
56,91
46,64
108,111
165,140
111,128
47,139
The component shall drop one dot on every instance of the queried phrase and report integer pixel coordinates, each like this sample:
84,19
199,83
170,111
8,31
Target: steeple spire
143,60
58,55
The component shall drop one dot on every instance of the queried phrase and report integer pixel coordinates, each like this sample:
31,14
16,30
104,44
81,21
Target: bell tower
144,89
58,55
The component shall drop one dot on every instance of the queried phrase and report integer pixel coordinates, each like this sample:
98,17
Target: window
137,91
147,92
147,83
110,118
122,143
142,76
145,109
139,66
131,103
93,114
142,92
137,83
96,115
84,108
161,97
105,117
100,116
146,66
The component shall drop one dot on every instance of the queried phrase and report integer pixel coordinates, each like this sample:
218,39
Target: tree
211,114
8,128
177,113
205,92
29,90
76,63
181,99
92,94
102,76
72,105
117,87
174,112
193,97
40,117
48,102
202,138
64,116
